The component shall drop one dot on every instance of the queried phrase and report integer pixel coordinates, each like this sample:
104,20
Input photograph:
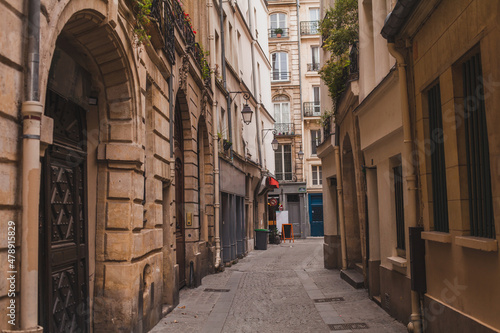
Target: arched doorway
90,98
179,196
353,240
204,174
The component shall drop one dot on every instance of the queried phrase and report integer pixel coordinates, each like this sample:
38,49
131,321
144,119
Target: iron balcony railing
274,34
161,11
312,109
280,76
314,67
309,27
284,129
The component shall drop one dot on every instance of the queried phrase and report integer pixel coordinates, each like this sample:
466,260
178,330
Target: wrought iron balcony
327,128
314,67
280,76
284,129
309,28
312,109
274,34
161,11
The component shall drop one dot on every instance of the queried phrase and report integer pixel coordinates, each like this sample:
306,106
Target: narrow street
283,289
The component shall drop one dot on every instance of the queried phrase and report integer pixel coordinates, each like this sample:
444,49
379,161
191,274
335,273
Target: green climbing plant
142,10
339,29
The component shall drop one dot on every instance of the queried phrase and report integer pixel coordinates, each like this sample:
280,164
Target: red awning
273,182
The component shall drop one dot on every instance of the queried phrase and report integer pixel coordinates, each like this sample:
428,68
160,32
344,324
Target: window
438,169
313,14
283,162
314,18
278,21
281,105
477,150
317,175
400,215
315,140
279,61
314,65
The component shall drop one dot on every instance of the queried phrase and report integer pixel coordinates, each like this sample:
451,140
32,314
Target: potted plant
227,144
278,32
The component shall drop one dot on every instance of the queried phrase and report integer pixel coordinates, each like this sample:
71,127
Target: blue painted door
316,214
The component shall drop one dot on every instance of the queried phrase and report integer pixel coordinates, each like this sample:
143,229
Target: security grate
347,326
216,290
328,300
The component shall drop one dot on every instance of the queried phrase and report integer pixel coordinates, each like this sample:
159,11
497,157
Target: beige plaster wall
463,278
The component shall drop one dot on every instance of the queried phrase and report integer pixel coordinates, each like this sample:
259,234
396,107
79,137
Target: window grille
400,217
477,151
438,168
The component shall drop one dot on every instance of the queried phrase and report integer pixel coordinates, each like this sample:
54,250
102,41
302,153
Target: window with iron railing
438,168
477,150
312,109
278,32
279,62
315,141
284,129
283,162
309,27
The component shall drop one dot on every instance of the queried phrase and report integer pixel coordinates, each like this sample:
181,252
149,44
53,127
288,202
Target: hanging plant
142,10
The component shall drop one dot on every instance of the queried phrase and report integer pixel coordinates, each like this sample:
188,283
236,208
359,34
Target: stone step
358,267
353,277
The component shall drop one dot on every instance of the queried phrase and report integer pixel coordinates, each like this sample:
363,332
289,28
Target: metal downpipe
31,112
415,324
340,203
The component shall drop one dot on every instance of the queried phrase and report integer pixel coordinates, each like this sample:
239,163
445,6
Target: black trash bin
261,236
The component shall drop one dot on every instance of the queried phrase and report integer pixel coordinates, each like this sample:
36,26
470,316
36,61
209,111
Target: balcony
314,67
279,76
309,28
327,129
312,109
274,34
283,129
161,12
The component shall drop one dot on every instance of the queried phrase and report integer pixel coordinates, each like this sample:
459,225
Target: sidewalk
283,289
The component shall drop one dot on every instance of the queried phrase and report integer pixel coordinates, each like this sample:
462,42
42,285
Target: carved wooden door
63,222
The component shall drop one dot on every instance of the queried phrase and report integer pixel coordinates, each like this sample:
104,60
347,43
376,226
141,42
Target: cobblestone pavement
274,291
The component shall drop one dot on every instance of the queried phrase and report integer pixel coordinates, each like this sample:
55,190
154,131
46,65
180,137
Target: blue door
316,214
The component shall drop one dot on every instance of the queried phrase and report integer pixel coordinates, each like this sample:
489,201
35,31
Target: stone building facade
420,122
294,46
118,142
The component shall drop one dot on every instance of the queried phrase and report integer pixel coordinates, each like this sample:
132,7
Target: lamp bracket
267,130
246,95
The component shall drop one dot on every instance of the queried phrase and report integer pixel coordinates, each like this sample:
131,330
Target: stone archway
107,194
352,230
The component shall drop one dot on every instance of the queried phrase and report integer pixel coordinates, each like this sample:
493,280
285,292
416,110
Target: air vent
347,326
328,300
216,290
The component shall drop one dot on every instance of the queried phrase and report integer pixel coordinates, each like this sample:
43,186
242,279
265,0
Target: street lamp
300,153
246,113
275,144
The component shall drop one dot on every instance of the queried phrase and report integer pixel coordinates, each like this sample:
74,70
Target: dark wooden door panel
63,222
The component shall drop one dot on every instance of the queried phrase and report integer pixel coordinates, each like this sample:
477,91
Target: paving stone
275,291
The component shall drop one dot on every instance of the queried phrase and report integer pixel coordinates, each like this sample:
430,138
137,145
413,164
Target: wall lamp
275,144
246,113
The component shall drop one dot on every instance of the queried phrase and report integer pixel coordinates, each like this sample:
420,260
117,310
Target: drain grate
348,326
216,290
328,300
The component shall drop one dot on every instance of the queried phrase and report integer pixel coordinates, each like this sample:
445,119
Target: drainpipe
215,141
415,324
31,111
224,77
257,109
300,88
340,204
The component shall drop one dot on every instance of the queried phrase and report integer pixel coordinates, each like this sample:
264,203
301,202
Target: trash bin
261,239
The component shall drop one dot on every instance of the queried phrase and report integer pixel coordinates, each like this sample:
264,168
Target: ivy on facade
339,29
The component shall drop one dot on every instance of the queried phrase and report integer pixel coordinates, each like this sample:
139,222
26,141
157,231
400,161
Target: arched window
278,21
281,106
279,61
